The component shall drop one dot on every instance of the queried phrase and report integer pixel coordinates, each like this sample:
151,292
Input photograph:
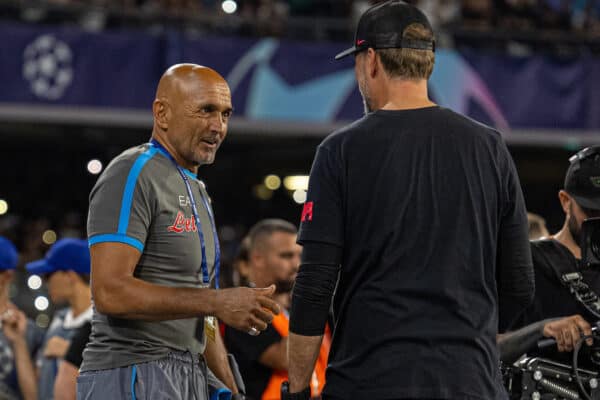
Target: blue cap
64,255
8,254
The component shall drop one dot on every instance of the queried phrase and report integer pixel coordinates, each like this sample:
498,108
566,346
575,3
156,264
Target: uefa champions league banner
281,80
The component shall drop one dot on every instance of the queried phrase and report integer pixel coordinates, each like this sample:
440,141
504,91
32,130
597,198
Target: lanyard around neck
182,173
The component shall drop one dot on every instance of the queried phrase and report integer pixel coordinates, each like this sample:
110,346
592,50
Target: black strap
286,395
582,292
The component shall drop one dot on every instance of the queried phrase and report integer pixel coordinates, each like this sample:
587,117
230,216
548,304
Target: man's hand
245,308
56,347
14,325
567,331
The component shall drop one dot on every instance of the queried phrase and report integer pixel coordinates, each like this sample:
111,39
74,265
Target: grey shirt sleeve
121,203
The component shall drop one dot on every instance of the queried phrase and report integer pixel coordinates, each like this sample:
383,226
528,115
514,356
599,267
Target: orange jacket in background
281,324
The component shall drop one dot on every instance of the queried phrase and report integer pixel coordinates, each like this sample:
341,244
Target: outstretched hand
246,308
567,331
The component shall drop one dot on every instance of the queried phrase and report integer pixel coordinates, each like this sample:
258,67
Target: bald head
180,78
191,112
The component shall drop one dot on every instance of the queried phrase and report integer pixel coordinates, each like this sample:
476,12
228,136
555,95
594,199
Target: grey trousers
178,376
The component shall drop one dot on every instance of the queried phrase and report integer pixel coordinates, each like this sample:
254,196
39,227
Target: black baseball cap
382,26
582,181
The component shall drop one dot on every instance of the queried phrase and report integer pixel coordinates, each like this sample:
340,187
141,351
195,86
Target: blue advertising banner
285,81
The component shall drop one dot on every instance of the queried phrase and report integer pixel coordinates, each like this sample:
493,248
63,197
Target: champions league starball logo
47,66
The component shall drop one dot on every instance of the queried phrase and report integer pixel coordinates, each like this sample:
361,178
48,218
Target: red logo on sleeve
307,211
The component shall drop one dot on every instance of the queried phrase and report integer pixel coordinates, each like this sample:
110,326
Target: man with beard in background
273,258
561,253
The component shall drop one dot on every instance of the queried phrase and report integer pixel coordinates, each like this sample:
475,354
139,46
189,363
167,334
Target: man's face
361,78
577,215
281,257
198,121
58,284
5,278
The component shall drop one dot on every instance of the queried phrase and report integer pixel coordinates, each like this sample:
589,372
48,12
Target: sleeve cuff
116,238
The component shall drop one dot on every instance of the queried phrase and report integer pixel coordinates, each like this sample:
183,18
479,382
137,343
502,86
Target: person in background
537,226
65,385
560,254
20,339
66,271
273,258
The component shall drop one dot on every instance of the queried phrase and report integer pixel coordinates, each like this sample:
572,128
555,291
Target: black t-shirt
425,204
552,299
247,350
78,341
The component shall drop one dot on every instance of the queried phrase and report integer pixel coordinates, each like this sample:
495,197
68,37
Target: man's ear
161,112
6,276
565,201
372,61
254,258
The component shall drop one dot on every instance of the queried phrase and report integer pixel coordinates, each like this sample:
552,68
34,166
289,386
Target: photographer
560,254
565,331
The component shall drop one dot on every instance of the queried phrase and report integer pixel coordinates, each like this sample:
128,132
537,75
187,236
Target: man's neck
256,281
406,95
564,237
171,150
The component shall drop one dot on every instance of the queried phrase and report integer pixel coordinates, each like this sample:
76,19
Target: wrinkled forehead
208,92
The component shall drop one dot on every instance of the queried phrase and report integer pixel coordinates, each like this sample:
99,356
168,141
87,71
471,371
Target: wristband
286,395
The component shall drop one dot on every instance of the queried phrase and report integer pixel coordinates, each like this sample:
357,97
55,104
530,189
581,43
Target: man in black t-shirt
561,253
419,211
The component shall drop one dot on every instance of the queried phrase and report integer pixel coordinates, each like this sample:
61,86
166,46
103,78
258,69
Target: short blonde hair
411,64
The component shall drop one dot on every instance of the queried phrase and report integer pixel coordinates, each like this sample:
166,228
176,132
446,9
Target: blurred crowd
326,19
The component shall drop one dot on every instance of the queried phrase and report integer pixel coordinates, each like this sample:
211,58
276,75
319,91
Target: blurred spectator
19,337
274,258
65,386
537,226
478,14
271,17
277,17
66,268
517,14
555,14
440,12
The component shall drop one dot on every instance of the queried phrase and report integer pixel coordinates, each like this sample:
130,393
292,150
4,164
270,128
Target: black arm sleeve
80,338
515,279
513,345
314,288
